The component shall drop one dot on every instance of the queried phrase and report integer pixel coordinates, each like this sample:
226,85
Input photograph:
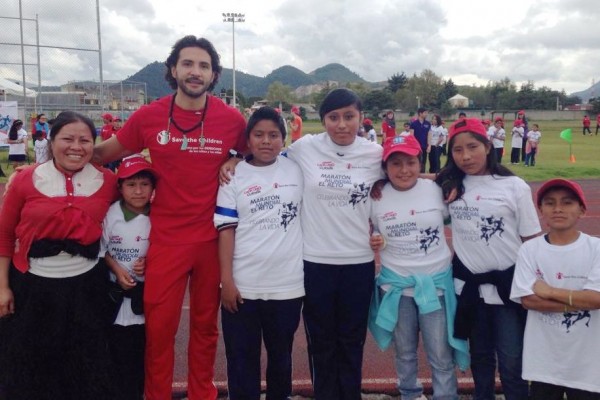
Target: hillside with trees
400,91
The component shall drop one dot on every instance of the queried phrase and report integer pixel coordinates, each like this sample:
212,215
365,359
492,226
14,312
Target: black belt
52,247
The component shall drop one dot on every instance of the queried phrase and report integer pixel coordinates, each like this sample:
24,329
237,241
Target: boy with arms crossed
557,278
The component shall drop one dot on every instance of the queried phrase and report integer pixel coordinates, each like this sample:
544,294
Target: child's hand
230,297
139,266
377,242
228,170
124,279
7,302
542,289
377,188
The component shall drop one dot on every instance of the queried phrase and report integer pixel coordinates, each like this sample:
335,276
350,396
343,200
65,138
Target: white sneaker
421,397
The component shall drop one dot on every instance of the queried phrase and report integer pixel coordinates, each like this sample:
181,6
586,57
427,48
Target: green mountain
249,85
335,72
290,76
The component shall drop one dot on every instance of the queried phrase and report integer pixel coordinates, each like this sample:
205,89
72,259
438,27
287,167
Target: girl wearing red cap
414,292
517,133
370,133
388,126
492,215
124,245
525,124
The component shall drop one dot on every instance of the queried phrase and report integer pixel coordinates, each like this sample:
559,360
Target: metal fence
60,65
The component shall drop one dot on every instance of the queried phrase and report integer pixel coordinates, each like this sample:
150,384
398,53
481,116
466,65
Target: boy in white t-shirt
41,147
406,131
517,133
497,135
124,245
557,278
260,253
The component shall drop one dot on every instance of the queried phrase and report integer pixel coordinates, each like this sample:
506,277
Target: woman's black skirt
55,346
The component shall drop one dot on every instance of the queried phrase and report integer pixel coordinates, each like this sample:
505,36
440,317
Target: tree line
432,91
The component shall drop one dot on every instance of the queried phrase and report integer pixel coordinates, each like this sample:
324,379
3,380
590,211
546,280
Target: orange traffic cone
572,158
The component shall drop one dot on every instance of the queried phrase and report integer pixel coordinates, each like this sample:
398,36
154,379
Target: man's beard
194,94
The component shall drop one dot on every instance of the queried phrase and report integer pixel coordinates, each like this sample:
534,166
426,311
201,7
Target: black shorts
17,157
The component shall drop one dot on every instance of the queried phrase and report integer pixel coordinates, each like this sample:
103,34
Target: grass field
552,159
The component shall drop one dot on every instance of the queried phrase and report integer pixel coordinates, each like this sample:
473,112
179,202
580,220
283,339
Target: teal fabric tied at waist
383,312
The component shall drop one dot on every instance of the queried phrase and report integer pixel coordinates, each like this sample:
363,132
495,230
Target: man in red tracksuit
189,135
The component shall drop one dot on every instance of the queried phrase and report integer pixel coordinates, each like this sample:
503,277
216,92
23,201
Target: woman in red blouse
52,292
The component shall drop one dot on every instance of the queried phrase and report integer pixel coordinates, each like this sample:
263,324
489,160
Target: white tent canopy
15,89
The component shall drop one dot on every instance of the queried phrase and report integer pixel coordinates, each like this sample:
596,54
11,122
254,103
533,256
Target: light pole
233,18
418,102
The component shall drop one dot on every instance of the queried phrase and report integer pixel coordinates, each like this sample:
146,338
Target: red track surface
378,370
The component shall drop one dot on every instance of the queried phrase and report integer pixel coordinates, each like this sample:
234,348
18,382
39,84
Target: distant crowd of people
94,265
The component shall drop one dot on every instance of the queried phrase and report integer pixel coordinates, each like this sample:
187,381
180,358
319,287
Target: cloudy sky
554,43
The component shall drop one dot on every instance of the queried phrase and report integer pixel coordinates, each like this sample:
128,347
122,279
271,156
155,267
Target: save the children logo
163,137
539,274
282,185
252,190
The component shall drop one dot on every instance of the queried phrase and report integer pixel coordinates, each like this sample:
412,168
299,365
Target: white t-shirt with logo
534,136
488,223
497,136
42,150
561,348
412,224
337,182
265,203
125,241
18,148
436,135
517,137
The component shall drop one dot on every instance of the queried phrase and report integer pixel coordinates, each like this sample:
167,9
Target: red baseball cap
134,164
401,144
521,112
295,110
518,122
472,125
367,121
561,183
107,116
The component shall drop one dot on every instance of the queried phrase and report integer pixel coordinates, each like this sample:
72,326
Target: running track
378,369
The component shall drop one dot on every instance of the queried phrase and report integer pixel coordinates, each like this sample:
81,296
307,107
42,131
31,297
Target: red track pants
168,269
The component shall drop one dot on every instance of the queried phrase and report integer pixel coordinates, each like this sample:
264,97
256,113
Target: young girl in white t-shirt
533,141
415,286
17,141
492,215
260,253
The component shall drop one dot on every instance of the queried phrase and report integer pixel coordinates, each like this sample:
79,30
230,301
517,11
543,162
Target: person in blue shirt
420,128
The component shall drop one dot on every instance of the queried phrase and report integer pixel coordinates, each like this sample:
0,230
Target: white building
459,101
